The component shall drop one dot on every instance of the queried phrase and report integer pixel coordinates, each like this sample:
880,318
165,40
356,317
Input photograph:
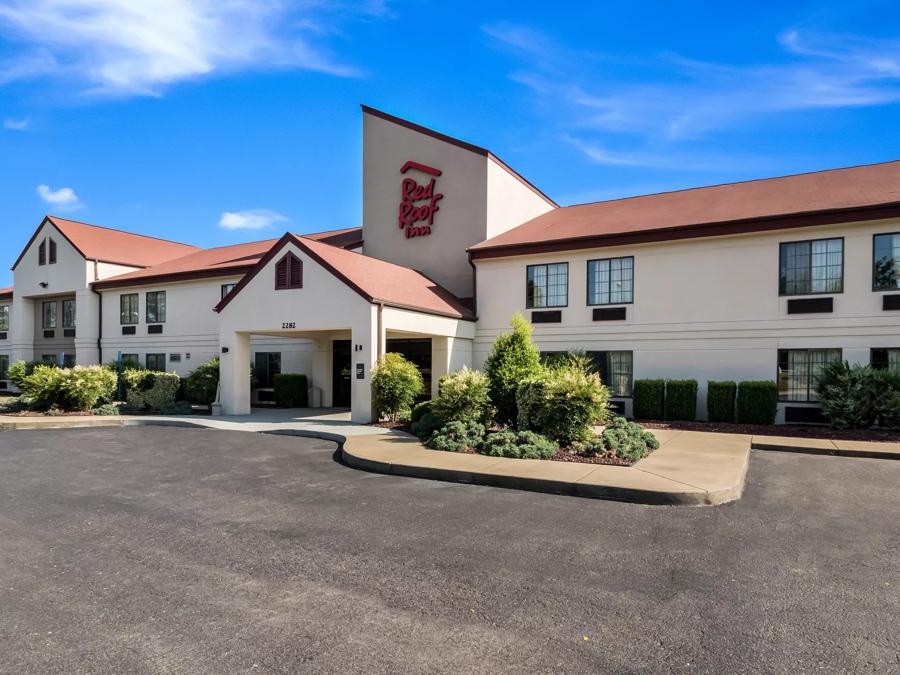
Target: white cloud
13,124
251,219
128,47
63,197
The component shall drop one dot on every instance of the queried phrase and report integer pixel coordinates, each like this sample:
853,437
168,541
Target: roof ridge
735,182
120,231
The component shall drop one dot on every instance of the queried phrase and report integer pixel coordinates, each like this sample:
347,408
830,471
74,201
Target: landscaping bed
793,431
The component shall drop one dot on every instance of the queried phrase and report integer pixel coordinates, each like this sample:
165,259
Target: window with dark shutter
52,252
289,272
42,253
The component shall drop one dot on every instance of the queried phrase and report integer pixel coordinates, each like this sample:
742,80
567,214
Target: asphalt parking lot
151,550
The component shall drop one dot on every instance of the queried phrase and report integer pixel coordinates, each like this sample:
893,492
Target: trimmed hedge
202,382
156,390
649,398
291,390
757,402
681,400
720,400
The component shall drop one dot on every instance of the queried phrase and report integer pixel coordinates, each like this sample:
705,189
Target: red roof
378,281
221,261
6,293
666,215
113,246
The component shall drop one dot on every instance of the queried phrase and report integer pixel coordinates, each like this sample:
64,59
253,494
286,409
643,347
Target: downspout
474,285
380,346
99,317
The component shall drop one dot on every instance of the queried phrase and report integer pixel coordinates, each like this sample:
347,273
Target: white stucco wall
509,201
703,308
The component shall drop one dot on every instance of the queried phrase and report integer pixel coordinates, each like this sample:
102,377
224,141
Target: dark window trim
42,252
587,282
881,290
224,292
156,354
529,304
147,307
882,365
7,317
74,314
291,260
809,387
782,244
44,315
51,253
137,314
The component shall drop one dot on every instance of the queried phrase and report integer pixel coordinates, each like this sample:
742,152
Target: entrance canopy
343,302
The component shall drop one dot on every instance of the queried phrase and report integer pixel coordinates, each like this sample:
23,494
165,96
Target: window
156,307
131,361
155,361
42,252
49,359
886,359
68,360
52,257
610,281
809,267
289,273
4,366
49,314
547,285
128,308
227,288
798,370
68,313
4,318
886,262
266,365
614,368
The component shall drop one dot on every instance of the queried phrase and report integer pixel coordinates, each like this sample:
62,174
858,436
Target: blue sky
215,122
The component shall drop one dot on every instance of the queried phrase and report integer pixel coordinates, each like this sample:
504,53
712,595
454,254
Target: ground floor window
798,370
886,359
4,366
49,359
615,368
131,361
68,313
155,362
266,365
68,360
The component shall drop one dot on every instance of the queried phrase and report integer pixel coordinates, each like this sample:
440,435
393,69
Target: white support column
87,331
440,362
322,369
21,330
234,375
363,352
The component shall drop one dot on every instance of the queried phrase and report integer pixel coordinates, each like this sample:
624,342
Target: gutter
99,317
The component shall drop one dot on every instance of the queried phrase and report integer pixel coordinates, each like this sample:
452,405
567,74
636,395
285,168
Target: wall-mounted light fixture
43,284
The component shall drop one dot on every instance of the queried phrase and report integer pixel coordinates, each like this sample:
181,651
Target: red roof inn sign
418,203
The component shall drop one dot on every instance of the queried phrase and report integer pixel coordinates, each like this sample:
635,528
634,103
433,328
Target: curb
835,452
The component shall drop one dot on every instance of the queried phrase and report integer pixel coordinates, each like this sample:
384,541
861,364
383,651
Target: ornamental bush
291,390
419,410
395,384
464,396
18,371
757,402
513,359
456,436
426,425
156,391
43,387
625,439
571,358
681,400
855,397
83,388
563,404
648,399
106,409
720,401
519,445
202,383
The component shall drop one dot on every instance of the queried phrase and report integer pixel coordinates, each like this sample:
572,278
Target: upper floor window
809,267
798,370
886,263
289,272
52,257
886,359
48,310
128,308
547,285
156,307
610,281
42,252
4,318
227,288
68,313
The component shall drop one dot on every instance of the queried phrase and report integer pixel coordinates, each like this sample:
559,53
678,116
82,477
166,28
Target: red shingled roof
6,293
113,246
757,205
221,261
376,280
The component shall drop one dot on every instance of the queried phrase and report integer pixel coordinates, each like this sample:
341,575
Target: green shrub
18,371
720,401
519,445
648,399
571,358
419,410
395,384
291,390
43,387
855,397
137,379
464,396
155,391
757,402
179,408
426,425
83,388
202,383
456,436
513,359
563,404
625,440
681,399
106,409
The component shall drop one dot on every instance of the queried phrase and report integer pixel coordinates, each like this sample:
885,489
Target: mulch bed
796,431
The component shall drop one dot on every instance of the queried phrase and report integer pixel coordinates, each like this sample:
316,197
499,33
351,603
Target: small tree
201,384
395,384
513,359
463,396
